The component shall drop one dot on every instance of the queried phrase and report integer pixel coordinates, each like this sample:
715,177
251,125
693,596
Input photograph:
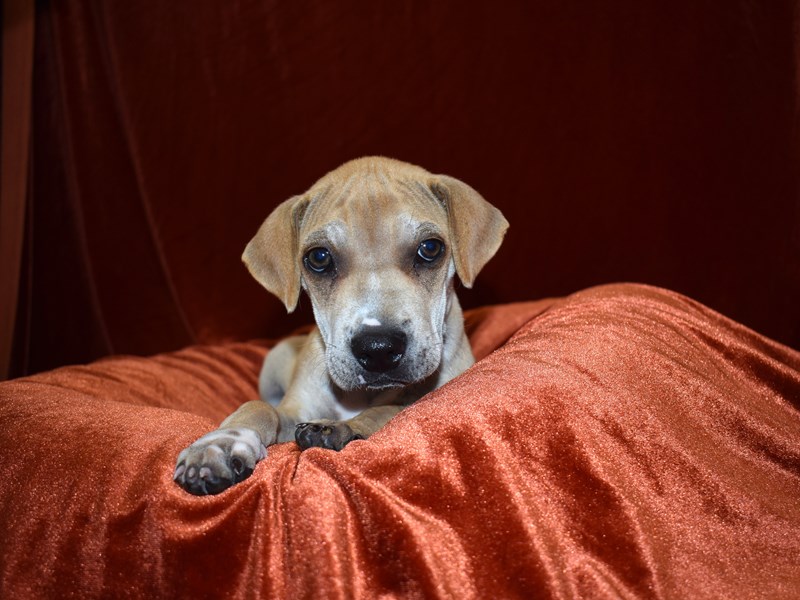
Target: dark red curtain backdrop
628,140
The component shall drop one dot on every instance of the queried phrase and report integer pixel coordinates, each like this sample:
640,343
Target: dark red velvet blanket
625,442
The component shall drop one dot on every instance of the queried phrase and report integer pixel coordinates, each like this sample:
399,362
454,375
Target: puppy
376,245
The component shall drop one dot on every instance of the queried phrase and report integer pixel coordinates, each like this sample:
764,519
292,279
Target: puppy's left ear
476,227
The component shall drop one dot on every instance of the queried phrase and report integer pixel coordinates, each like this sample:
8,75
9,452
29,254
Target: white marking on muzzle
371,322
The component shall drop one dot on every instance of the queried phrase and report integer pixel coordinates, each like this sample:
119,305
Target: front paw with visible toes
333,435
218,460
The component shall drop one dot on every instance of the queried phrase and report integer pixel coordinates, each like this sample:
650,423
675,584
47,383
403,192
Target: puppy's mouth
381,382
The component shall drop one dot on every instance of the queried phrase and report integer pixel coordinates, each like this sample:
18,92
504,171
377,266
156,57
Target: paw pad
333,435
218,460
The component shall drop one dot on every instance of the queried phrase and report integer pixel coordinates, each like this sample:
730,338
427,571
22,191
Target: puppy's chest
350,404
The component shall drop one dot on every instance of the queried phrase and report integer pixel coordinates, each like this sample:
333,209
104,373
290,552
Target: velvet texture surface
624,442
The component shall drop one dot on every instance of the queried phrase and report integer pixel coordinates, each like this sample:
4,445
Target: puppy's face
377,265
376,244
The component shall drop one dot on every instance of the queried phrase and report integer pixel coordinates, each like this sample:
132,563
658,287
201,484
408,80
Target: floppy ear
476,227
271,256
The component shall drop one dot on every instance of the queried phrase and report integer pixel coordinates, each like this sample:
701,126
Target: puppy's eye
318,260
430,250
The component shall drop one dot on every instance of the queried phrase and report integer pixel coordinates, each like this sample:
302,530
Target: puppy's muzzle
379,350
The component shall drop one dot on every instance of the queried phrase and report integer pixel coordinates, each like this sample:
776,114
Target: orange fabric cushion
626,441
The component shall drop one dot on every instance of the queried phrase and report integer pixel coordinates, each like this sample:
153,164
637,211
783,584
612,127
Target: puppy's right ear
271,256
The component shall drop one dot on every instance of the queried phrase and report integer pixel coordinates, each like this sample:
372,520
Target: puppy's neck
457,354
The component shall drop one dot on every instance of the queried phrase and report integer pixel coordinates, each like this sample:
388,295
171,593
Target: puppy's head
376,244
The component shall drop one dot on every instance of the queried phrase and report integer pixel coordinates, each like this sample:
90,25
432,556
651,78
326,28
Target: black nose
379,350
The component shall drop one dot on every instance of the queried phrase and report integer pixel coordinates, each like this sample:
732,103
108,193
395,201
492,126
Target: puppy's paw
333,435
218,460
